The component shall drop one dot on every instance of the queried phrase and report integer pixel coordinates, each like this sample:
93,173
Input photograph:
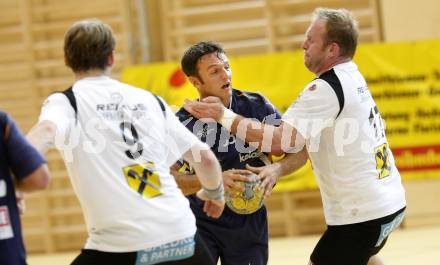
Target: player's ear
111,59
335,50
195,82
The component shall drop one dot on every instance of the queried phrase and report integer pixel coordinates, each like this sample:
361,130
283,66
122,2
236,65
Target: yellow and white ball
248,201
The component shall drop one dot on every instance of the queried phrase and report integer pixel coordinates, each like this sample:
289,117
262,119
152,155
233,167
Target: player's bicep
292,141
57,110
42,135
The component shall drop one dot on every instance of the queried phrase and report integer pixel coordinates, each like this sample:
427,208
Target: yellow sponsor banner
164,79
404,79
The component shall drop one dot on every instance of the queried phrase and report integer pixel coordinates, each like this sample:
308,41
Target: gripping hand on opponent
209,107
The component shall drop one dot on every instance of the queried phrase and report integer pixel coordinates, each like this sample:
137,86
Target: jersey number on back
131,138
140,177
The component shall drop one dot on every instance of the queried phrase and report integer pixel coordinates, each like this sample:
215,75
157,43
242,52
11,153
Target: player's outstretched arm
208,171
42,135
265,137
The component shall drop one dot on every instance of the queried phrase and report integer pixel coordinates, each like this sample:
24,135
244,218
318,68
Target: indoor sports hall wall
249,26
410,20
32,67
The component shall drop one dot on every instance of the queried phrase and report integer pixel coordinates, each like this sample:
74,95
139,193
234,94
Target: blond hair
341,28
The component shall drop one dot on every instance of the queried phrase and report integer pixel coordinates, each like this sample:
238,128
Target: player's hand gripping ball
248,201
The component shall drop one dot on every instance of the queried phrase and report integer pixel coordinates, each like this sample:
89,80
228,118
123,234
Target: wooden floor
415,246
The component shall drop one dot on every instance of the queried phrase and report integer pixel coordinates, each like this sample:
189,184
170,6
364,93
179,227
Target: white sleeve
314,109
179,139
57,109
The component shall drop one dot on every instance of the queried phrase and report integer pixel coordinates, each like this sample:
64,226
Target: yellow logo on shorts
143,179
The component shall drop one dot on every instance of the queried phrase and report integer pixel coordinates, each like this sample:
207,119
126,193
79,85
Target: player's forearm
264,137
208,172
206,166
42,136
291,163
250,131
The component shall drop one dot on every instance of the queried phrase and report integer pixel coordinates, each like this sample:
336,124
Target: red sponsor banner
417,158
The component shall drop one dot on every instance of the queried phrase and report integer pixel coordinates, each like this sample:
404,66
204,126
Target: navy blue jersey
19,158
233,152
234,238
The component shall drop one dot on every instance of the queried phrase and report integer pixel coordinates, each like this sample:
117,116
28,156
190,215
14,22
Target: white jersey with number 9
118,149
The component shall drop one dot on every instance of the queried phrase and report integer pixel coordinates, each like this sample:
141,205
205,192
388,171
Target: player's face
215,75
316,51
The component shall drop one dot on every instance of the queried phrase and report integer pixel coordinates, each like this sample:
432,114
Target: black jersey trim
332,79
162,106
72,100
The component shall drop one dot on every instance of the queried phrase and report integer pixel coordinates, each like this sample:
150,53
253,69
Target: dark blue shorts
235,239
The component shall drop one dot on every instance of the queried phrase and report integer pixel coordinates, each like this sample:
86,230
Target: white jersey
346,142
118,154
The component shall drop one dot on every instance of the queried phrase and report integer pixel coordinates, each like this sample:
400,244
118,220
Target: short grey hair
341,28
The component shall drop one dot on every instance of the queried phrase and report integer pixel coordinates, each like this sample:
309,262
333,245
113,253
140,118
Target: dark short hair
193,54
87,45
341,28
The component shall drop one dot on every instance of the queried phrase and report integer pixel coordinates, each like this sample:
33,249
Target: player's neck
332,64
91,73
226,101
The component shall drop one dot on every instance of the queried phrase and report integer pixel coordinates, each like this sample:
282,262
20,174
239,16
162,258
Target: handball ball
248,201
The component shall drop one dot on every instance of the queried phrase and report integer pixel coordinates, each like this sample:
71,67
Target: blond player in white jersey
118,143
337,125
